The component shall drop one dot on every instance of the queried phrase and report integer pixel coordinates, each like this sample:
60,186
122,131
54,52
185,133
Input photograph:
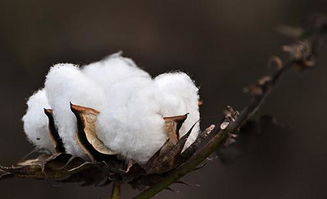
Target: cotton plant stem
116,191
186,168
221,135
217,141
300,56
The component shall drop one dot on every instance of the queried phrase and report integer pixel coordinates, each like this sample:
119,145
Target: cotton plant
111,122
119,107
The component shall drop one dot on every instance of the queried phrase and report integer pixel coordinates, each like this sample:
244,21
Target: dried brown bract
102,165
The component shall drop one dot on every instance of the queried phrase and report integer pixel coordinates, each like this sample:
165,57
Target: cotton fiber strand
113,69
132,124
66,84
36,122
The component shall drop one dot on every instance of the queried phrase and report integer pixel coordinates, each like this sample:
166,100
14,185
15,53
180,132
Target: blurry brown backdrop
224,45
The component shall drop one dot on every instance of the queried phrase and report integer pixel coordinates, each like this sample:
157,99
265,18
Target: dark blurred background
224,45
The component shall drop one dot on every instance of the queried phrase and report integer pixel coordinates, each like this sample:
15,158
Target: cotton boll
36,122
131,125
131,104
112,69
178,95
66,84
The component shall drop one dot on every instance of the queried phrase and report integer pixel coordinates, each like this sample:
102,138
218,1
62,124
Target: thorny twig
302,55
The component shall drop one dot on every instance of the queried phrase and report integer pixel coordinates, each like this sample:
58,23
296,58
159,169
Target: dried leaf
165,161
60,168
35,168
173,125
63,161
87,138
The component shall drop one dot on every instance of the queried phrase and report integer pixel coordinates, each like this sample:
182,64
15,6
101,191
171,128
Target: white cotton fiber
131,125
113,69
132,106
36,122
178,95
66,84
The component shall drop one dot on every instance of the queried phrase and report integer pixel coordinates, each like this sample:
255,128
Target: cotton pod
36,122
66,84
178,95
119,107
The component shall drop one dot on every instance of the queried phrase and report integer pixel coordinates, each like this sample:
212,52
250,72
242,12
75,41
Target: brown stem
116,187
221,135
217,141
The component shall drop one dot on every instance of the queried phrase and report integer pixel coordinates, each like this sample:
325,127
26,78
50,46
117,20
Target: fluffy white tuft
66,84
36,122
131,125
113,69
132,106
178,95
